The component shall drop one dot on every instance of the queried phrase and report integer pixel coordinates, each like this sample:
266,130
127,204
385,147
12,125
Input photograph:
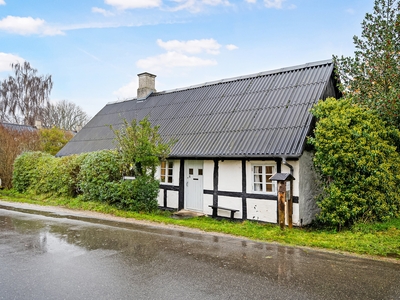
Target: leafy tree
141,147
12,143
65,115
24,97
53,139
357,158
372,77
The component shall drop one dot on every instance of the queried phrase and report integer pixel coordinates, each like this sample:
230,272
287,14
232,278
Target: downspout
288,165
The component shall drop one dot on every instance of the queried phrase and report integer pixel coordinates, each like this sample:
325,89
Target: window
167,168
261,179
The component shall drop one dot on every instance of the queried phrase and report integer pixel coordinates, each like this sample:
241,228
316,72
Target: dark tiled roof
259,115
19,127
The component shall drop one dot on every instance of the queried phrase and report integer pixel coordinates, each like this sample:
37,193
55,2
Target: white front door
194,185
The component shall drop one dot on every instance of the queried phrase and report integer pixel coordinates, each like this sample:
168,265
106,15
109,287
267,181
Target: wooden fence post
281,203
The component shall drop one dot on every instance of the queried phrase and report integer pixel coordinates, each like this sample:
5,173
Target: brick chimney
147,83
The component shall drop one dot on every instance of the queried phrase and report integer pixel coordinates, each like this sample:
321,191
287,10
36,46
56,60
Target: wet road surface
47,255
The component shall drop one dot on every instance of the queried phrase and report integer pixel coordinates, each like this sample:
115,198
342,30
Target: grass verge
379,239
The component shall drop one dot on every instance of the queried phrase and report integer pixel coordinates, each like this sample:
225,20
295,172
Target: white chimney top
147,85
38,124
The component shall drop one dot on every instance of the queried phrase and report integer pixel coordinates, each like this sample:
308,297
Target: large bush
356,156
42,173
100,179
58,176
98,170
26,169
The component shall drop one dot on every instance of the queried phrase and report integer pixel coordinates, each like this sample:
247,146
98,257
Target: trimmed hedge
26,166
96,175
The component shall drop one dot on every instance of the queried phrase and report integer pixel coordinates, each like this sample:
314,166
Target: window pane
267,178
257,178
269,187
170,165
257,169
190,171
269,169
169,172
200,172
257,187
169,179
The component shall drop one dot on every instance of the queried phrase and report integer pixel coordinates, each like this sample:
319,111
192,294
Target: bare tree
65,115
24,96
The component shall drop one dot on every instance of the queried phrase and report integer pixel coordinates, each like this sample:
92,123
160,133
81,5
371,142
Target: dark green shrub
135,195
26,171
59,176
356,156
98,170
144,191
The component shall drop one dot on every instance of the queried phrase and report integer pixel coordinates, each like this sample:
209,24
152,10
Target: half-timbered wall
230,183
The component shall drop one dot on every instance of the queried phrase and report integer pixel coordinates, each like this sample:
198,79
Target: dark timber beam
215,186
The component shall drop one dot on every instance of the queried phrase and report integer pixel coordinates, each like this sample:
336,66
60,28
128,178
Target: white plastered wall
208,175
261,210
230,176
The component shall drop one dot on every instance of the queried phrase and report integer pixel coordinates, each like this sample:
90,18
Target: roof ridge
224,80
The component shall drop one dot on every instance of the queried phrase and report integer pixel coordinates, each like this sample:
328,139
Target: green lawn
381,239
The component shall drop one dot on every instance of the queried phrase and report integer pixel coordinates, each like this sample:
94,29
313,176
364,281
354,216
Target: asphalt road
57,254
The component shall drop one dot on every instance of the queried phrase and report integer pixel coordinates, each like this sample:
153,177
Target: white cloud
7,59
102,11
173,59
2,2
231,47
251,1
210,46
132,4
127,91
195,6
273,3
27,26
350,11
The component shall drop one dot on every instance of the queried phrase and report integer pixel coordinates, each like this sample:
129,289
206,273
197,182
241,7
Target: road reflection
216,261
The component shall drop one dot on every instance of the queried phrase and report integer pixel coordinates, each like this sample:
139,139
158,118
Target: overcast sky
94,49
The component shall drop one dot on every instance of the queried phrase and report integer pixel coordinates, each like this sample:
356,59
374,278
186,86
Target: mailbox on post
285,195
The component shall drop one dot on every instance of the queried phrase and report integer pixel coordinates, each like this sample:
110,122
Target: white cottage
232,136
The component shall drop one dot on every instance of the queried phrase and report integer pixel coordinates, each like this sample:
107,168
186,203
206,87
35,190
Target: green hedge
98,170
26,172
96,175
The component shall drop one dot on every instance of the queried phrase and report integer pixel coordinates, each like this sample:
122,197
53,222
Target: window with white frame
261,178
167,170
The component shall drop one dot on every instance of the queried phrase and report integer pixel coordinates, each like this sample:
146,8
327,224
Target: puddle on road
66,236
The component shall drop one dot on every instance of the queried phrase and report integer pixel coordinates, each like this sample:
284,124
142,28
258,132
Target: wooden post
290,205
281,203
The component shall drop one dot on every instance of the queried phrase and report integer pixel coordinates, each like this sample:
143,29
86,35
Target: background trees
24,96
12,144
65,115
24,99
372,77
15,141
